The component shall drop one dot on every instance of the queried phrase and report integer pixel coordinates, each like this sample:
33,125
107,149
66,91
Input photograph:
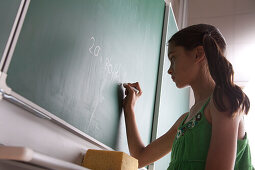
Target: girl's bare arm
156,149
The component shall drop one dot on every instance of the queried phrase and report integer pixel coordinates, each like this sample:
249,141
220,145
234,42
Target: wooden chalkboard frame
9,95
14,30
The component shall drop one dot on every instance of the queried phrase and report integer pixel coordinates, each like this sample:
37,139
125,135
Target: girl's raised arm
157,148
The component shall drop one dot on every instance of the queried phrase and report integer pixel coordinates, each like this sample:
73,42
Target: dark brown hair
220,68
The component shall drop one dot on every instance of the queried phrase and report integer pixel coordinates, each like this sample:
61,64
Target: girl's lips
173,78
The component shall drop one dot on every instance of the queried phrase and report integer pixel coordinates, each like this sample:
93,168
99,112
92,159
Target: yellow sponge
109,160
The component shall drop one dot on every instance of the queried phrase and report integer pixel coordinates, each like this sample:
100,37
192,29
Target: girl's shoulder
219,118
212,112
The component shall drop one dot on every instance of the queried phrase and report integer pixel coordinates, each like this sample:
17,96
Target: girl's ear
200,54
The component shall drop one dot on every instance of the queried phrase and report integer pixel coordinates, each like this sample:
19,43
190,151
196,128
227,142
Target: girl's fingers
134,88
128,89
137,87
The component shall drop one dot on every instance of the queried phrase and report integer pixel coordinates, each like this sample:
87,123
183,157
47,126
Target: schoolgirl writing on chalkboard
211,135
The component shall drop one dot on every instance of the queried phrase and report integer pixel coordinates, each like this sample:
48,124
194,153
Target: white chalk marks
112,69
104,69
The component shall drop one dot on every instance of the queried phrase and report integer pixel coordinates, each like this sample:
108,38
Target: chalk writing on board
96,48
110,74
111,69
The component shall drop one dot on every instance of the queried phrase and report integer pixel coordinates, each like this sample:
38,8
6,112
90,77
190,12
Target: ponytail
222,73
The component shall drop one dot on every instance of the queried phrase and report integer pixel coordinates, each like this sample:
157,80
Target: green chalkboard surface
8,12
72,55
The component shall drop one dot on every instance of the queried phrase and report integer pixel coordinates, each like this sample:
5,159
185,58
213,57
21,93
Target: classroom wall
235,19
176,10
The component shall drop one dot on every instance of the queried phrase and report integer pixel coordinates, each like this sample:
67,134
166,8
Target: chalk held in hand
105,160
136,91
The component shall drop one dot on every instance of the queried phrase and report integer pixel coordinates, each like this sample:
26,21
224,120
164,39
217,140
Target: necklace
194,109
197,106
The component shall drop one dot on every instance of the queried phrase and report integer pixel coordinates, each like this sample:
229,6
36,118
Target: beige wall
176,6
236,21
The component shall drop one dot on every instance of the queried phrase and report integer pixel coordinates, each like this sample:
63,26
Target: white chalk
136,91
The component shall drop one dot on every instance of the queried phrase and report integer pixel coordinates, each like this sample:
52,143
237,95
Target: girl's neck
202,88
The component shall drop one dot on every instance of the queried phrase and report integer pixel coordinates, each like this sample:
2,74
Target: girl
211,135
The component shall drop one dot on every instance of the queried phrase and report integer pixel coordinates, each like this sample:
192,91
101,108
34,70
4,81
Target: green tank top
191,144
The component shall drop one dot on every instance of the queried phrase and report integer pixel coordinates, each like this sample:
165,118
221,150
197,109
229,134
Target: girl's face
183,68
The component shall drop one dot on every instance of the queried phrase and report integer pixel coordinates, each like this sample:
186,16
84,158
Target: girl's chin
178,85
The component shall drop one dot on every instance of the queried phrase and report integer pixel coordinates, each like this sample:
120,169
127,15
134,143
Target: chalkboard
8,12
72,55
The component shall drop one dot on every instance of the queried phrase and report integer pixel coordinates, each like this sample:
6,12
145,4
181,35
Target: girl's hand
131,95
